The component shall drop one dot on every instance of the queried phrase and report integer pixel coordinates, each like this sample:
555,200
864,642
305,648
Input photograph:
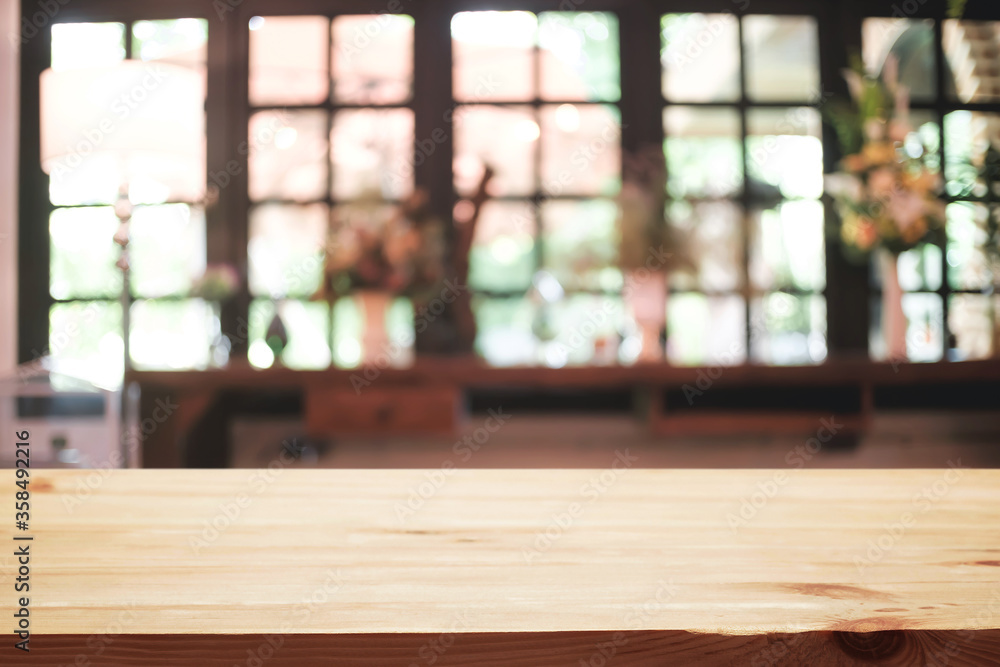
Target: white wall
9,12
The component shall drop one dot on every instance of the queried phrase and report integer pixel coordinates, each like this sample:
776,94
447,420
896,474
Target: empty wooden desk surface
620,566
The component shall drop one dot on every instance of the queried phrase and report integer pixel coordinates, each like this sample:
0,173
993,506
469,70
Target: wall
9,12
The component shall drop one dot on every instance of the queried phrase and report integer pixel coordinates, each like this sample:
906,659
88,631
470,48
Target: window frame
228,110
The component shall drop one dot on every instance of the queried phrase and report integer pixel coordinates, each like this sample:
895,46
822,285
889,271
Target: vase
646,298
374,306
893,317
276,336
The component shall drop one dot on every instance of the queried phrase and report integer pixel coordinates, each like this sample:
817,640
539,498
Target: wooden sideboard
619,565
431,397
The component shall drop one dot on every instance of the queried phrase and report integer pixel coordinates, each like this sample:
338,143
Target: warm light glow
497,28
527,130
148,117
505,250
144,29
568,118
260,355
349,352
285,137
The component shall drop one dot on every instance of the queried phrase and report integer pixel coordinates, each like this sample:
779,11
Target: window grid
330,107
743,105
940,106
540,194
58,338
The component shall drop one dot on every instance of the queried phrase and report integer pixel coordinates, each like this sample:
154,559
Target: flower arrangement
887,190
374,246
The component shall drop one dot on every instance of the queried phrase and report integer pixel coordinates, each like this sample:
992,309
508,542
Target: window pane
372,59
787,251
504,138
348,328
83,253
85,341
180,41
167,249
172,335
581,149
703,151
82,45
288,57
973,320
788,330
925,139
493,55
701,57
502,255
911,42
715,233
971,140
920,268
924,317
286,249
970,49
288,155
372,153
784,151
968,264
307,326
505,330
782,58
579,56
136,124
93,181
586,326
705,330
581,242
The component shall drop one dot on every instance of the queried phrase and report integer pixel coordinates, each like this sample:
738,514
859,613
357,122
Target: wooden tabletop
541,567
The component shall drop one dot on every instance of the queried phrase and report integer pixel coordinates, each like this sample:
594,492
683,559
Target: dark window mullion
331,203
539,197
34,208
746,225
327,106
128,40
941,62
228,69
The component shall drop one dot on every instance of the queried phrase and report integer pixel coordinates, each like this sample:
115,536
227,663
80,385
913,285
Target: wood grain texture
538,567
649,648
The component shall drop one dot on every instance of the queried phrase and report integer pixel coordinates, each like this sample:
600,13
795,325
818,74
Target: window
536,102
167,247
328,126
330,136
948,297
745,175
